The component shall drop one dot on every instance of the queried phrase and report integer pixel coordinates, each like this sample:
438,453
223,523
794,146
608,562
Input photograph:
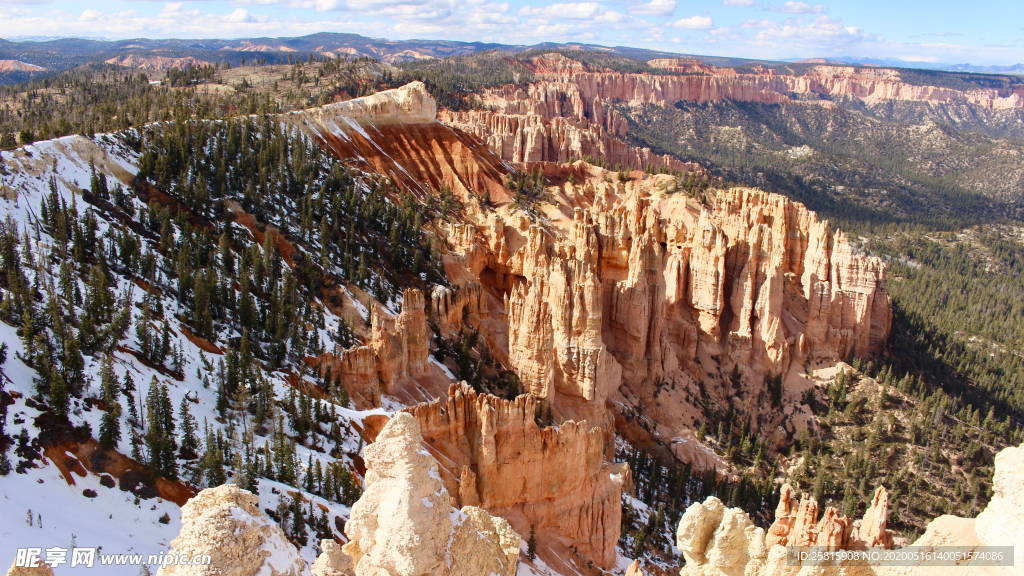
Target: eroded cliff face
566,113
630,288
395,133
717,541
404,525
608,295
393,360
495,456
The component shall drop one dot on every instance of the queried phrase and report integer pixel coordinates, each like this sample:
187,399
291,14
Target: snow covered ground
114,521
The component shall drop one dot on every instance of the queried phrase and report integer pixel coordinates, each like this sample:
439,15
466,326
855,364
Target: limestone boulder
332,561
227,523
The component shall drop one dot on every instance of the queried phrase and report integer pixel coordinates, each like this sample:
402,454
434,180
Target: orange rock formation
631,284
798,524
566,113
495,456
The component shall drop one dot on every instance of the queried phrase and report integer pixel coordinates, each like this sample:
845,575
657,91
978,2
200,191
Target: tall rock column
404,525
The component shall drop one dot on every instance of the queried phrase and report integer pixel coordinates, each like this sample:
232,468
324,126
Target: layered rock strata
402,343
226,522
797,524
395,133
404,525
567,113
494,455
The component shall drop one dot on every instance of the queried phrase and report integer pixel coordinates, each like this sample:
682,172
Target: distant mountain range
55,54
899,63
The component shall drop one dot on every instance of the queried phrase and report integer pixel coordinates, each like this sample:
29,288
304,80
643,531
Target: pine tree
166,409
252,475
299,533
5,464
189,441
144,330
110,424
59,397
168,462
154,432
213,462
343,398
531,544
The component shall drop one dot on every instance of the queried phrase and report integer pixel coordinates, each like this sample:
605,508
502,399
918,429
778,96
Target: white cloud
240,15
822,34
738,2
655,8
694,23
584,11
792,7
90,15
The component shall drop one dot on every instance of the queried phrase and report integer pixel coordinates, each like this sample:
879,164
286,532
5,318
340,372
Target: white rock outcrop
719,541
227,523
410,103
332,561
404,525
1002,521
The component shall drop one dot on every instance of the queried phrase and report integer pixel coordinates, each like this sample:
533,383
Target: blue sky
988,33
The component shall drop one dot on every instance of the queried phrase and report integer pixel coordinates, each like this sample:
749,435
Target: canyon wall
495,456
566,113
395,133
629,285
619,291
394,355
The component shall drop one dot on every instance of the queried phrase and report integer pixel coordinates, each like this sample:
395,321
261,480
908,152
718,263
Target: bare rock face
404,525
356,369
395,133
410,103
542,138
696,527
797,524
872,531
227,523
448,307
332,561
401,343
1002,521
630,284
716,540
495,456
785,517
